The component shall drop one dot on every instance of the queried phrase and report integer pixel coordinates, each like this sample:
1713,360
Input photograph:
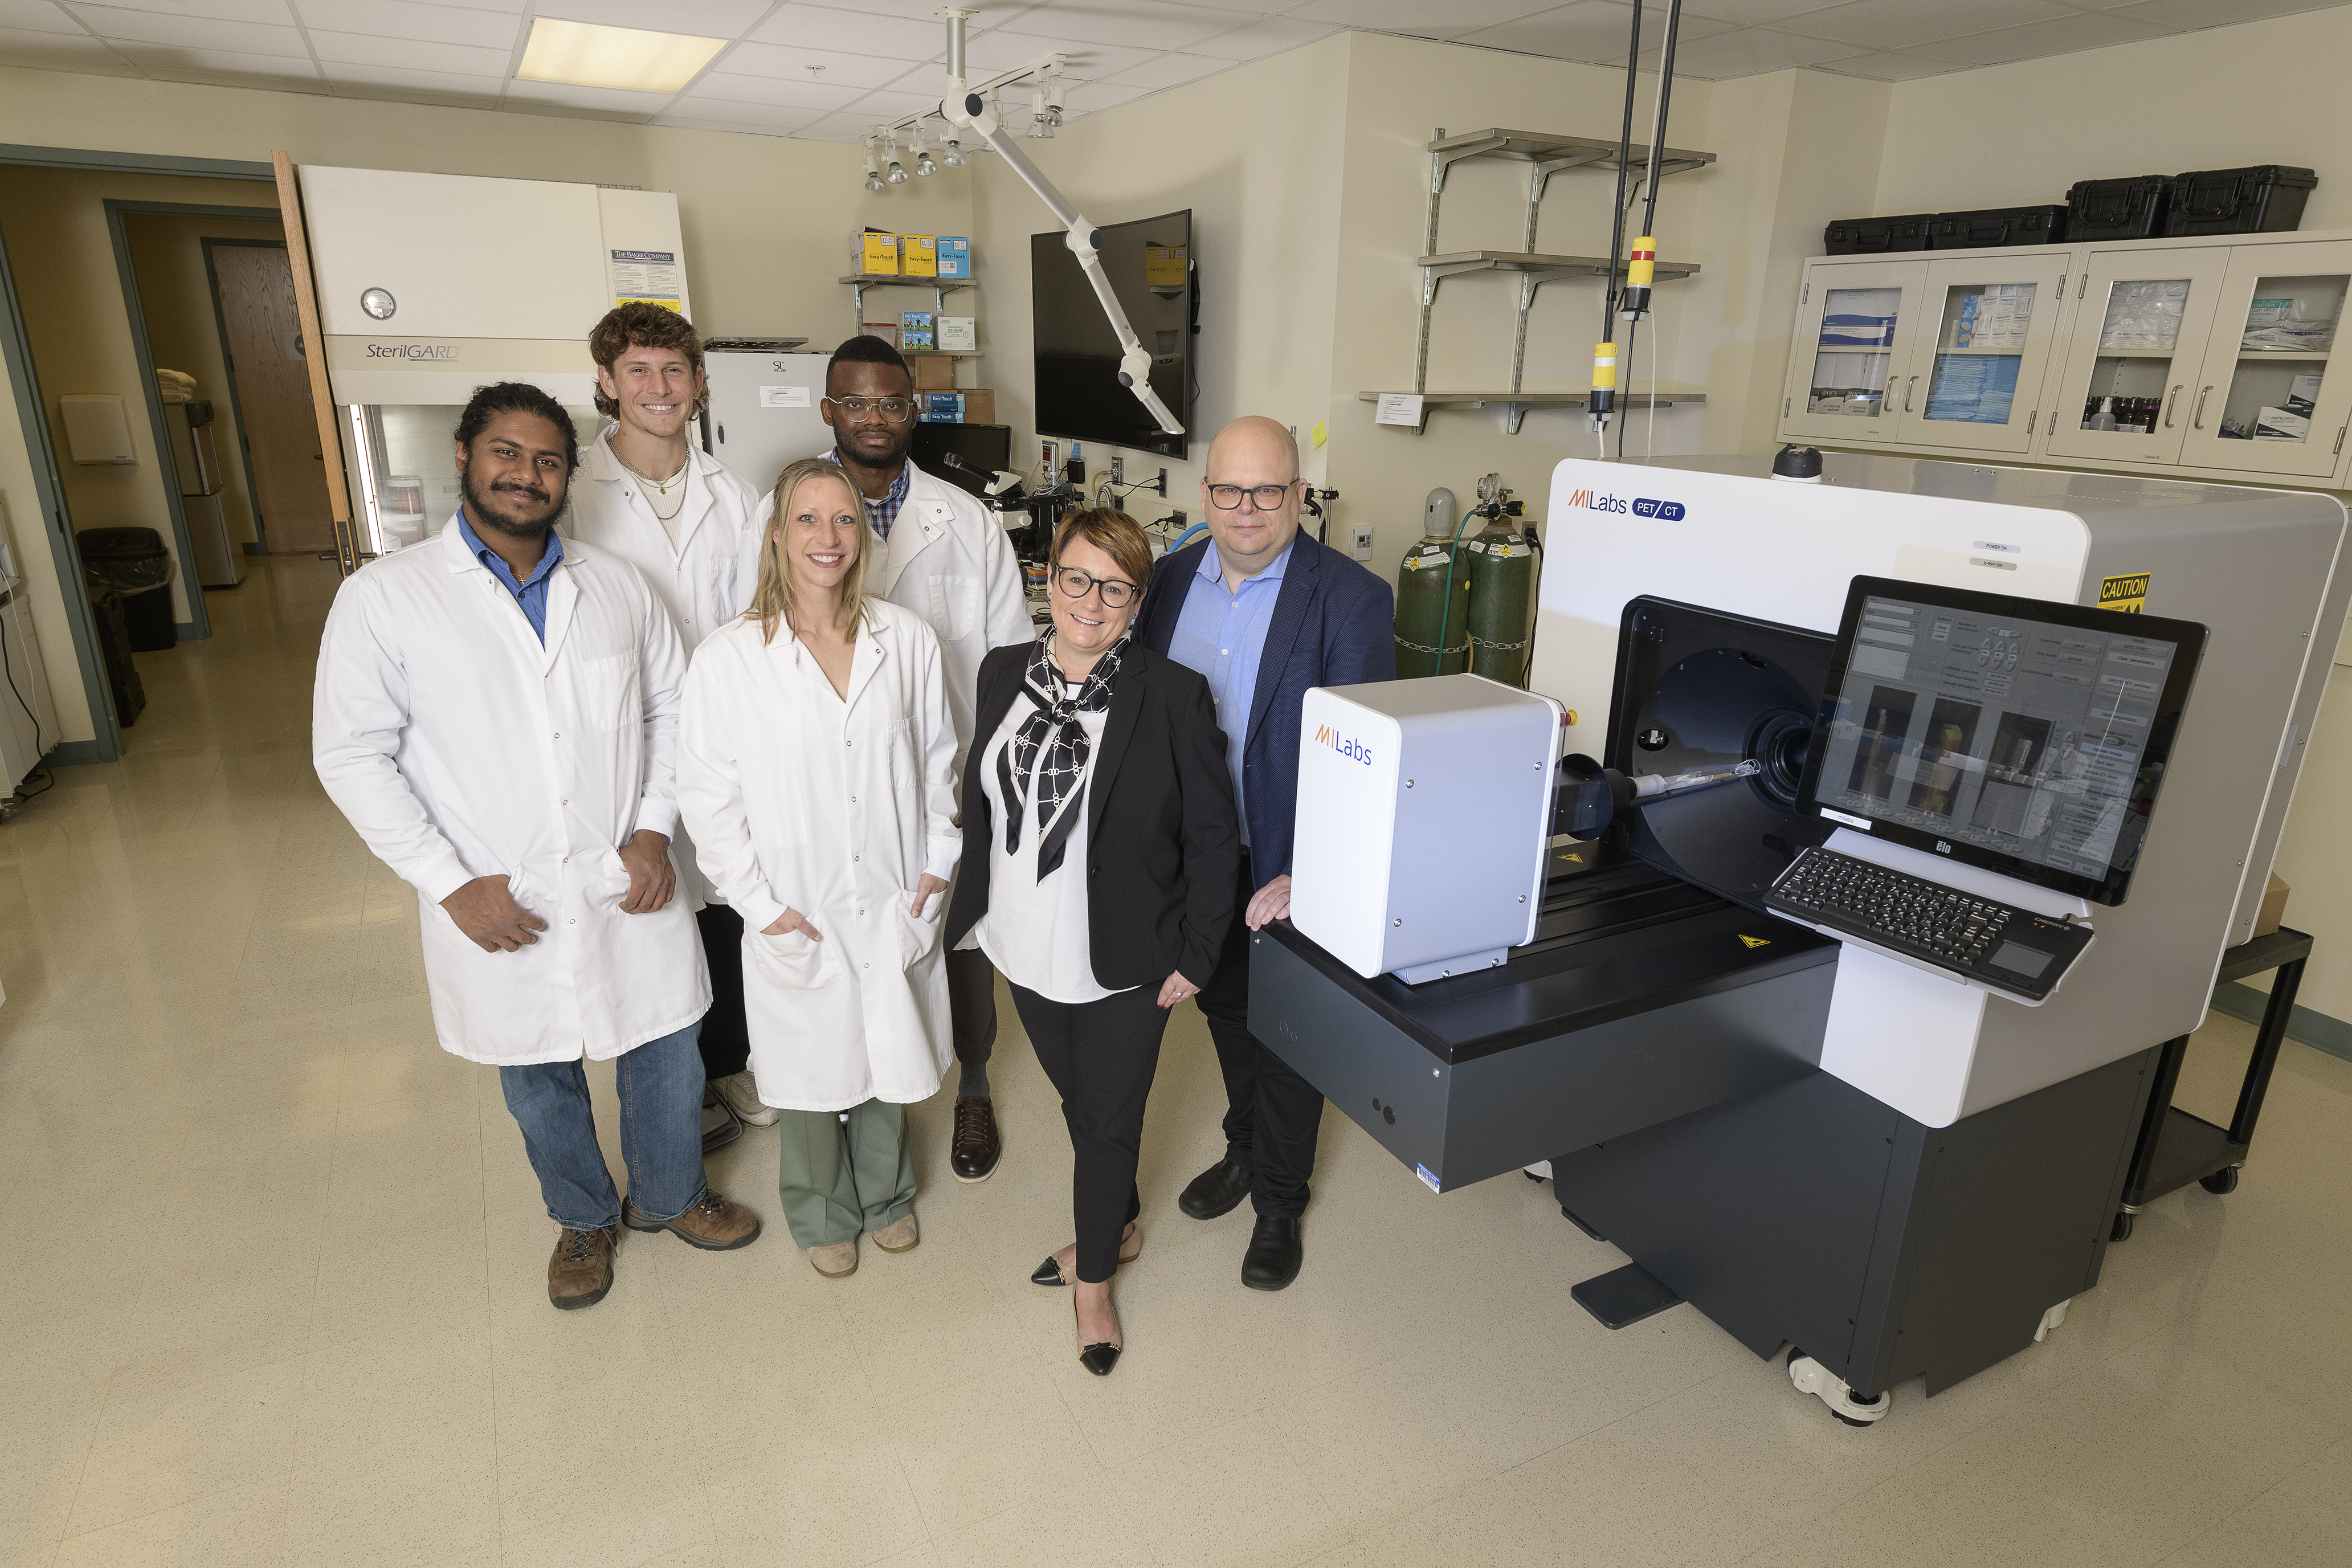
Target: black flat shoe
1275,1255
1216,1190
1048,1273
1098,1359
1131,1247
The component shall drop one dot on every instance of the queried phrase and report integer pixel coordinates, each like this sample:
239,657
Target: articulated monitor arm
977,113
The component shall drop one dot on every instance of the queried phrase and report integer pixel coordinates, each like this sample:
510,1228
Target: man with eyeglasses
1265,613
941,553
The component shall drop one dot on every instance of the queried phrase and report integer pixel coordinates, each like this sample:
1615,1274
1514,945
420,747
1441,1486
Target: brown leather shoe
714,1223
973,1155
581,1272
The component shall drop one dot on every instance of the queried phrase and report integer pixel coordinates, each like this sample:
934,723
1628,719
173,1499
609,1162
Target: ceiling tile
427,24
1899,24
724,111
38,17
409,54
880,107
191,32
369,92
479,88
268,11
807,97
1171,70
613,102
700,18
513,105
73,52
2185,13
1001,51
1268,37
851,127
1418,18
1590,30
1261,7
1749,51
1133,23
837,70
157,59
687,122
1748,13
2040,40
1087,97
854,32
1890,67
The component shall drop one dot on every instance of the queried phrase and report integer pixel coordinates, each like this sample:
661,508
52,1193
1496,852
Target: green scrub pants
840,1172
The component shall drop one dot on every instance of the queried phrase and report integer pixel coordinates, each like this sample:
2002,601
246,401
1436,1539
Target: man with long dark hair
497,714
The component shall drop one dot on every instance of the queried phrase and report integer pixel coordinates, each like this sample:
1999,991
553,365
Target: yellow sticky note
1318,433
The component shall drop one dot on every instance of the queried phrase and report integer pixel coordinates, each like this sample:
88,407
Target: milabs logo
1645,506
1355,750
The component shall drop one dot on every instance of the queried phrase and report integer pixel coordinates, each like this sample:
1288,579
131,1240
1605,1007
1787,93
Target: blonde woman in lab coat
816,774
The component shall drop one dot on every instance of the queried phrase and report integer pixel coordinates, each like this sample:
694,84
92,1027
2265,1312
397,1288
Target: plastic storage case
1865,235
2131,208
2044,224
2267,199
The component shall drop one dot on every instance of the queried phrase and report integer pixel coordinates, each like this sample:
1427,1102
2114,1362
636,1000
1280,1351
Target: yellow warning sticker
1756,940
2128,594
1320,435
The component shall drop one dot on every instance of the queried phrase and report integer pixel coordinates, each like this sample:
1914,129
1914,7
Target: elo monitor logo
1355,751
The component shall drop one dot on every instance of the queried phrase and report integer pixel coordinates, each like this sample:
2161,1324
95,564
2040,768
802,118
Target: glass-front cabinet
1854,346
2266,401
2139,341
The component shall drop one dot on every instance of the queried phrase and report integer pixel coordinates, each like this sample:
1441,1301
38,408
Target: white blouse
1037,934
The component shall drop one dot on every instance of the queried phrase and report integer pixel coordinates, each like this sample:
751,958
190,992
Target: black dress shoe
1048,1273
1216,1190
1274,1256
973,1155
1098,1359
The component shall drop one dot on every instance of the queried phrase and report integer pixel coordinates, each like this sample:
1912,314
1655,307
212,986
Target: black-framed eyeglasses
1117,593
1265,498
894,410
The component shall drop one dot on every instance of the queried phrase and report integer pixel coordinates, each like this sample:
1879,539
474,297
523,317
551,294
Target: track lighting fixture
924,167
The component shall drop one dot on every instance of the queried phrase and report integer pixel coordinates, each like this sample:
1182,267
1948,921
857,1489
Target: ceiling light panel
627,60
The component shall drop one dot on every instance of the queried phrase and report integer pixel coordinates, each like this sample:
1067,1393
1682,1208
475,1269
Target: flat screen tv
1149,265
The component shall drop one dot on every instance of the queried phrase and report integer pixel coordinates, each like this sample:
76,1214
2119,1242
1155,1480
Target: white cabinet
2203,358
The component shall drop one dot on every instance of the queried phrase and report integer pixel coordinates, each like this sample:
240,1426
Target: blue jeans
660,1085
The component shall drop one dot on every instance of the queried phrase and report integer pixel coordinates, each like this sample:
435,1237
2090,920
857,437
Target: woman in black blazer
1101,850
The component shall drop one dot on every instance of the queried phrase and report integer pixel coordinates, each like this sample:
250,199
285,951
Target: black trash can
133,563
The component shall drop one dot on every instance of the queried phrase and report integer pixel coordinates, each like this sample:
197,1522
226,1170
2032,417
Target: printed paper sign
1399,408
648,275
784,397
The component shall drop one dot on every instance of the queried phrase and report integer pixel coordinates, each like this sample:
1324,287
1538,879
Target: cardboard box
958,333
874,252
918,256
2273,909
953,256
933,372
970,407
915,332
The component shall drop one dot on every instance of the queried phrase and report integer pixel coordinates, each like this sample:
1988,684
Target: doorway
261,334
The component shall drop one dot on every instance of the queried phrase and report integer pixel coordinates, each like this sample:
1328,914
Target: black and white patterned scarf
1052,724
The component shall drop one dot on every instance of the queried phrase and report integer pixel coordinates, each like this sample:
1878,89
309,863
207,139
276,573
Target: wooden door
264,343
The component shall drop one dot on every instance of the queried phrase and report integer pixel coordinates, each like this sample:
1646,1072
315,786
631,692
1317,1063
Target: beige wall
35,537
184,330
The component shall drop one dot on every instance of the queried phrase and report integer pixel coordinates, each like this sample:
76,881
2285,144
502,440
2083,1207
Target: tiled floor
273,1291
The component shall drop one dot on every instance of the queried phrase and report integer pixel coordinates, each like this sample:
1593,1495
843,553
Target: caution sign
2128,594
1755,941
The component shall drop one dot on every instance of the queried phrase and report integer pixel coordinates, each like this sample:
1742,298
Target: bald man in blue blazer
1265,613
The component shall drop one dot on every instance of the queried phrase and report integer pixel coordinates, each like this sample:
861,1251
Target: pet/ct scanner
1845,1130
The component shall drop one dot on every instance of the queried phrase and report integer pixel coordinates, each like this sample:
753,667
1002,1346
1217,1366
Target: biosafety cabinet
429,285
2172,358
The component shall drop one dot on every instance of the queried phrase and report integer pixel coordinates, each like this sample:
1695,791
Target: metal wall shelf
941,289
1518,403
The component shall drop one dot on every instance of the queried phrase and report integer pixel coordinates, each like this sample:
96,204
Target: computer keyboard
1999,947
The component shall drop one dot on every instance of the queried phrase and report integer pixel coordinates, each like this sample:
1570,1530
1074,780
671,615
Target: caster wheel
2122,1228
2222,1181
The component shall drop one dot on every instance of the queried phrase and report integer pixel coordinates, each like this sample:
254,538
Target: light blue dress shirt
532,592
1222,635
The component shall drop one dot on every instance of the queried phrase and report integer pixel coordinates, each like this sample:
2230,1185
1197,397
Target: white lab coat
801,799
700,581
947,559
460,746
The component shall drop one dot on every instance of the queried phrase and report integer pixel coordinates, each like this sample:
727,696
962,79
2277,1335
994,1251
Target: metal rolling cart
2176,1148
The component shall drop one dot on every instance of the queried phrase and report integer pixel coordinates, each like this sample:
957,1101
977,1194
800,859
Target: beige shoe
742,1097
900,1236
836,1261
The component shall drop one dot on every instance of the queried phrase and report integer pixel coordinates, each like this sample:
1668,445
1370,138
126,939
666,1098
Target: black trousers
725,1039
971,1004
1272,1114
1100,1056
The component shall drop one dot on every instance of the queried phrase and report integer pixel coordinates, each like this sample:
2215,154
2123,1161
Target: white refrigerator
763,408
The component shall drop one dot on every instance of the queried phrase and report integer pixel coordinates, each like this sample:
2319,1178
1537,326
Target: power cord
20,795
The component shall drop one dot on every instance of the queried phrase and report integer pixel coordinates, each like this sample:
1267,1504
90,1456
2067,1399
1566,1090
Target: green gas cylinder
1433,600
1502,573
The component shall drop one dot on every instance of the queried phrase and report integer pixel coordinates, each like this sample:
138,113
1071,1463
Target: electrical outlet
1117,469
1359,540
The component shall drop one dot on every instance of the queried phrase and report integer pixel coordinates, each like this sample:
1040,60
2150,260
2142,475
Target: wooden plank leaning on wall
314,353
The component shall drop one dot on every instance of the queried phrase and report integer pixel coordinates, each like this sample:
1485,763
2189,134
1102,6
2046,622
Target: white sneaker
742,1097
